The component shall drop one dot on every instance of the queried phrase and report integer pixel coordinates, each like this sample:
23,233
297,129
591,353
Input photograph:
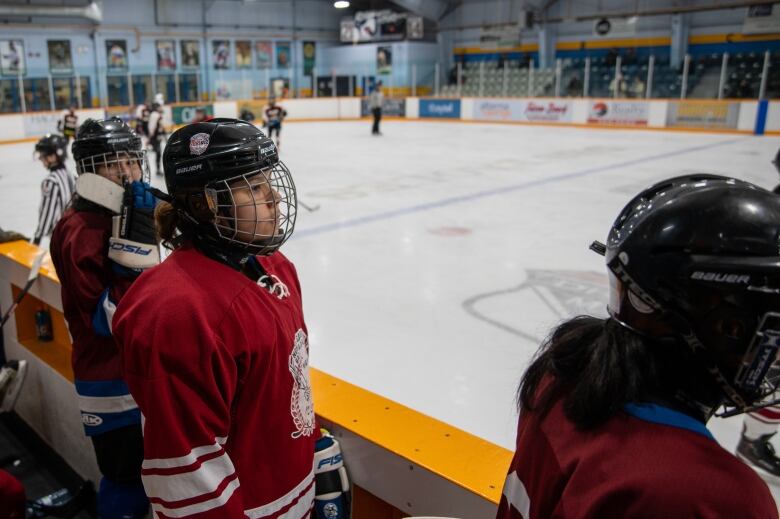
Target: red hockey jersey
649,462
91,285
219,367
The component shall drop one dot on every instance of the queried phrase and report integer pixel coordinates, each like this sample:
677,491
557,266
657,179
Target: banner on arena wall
309,55
41,123
520,110
60,58
394,107
220,54
12,60
243,54
190,54
628,113
449,108
283,54
116,55
166,55
186,114
264,52
703,114
384,60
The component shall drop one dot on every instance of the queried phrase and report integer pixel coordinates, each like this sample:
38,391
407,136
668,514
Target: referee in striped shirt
57,188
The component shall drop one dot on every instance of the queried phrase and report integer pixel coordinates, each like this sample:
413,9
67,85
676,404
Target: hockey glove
332,498
133,243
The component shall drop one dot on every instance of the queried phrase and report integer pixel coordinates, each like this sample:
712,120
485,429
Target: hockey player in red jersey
97,254
613,411
214,343
273,116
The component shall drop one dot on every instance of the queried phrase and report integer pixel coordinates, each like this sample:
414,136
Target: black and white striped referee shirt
56,189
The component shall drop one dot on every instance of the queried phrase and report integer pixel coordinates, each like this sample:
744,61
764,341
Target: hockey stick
36,266
309,208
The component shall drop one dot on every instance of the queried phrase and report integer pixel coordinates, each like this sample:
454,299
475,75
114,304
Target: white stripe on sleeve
285,500
187,459
516,495
205,479
198,508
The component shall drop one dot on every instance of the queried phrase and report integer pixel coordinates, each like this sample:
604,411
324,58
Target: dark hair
167,223
596,366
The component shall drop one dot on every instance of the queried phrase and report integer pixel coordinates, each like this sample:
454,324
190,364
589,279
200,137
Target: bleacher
517,80
667,80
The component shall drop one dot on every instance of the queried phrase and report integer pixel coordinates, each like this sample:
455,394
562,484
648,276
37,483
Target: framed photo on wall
265,54
60,58
116,55
12,61
243,54
221,54
190,54
166,55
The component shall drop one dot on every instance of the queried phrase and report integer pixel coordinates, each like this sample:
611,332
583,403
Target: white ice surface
442,252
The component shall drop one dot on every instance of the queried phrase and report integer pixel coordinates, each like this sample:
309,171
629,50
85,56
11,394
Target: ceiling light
341,4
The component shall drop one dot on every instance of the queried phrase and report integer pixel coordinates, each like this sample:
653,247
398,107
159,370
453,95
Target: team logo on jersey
91,419
199,143
330,510
301,405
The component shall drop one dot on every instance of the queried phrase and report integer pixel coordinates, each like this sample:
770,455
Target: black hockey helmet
206,162
52,144
107,142
696,260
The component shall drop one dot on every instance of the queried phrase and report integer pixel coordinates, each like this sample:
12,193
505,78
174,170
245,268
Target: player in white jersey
58,186
156,133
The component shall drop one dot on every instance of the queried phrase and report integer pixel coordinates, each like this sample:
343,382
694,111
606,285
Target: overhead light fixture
341,4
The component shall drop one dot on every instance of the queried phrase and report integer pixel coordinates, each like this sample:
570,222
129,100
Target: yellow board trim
732,38
462,458
608,44
24,253
525,47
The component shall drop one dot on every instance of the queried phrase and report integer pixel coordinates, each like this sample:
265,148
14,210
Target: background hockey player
760,426
213,340
69,123
613,411
58,186
375,100
156,133
98,253
141,119
273,117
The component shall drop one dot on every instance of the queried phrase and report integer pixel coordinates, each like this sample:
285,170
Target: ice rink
441,253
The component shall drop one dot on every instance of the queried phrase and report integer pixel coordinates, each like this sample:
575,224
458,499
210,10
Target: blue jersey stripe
665,416
99,388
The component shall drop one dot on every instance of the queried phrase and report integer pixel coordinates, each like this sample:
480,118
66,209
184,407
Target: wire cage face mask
255,211
759,372
117,166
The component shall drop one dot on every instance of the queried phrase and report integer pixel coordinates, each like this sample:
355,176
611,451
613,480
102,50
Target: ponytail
595,365
167,219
